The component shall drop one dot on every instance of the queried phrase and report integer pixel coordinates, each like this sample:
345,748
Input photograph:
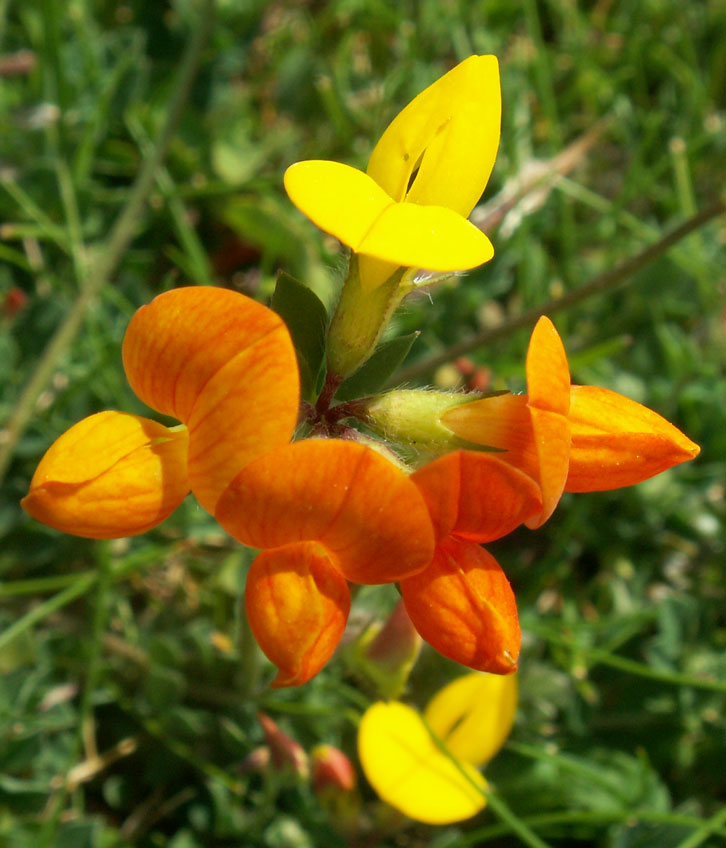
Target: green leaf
371,377
307,320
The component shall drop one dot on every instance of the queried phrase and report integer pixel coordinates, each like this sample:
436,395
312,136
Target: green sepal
373,375
307,320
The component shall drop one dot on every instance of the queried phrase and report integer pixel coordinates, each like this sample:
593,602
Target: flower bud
334,782
286,752
110,475
463,606
387,653
297,605
332,769
412,416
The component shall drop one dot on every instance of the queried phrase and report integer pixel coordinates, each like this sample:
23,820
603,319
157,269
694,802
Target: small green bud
412,417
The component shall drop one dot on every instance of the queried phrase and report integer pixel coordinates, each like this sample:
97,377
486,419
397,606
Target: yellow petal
341,200
430,237
474,715
450,131
110,475
407,769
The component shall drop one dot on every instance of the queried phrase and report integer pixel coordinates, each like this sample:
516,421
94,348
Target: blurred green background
135,651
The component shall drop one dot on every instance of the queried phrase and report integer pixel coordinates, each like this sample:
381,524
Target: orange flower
219,362
462,603
325,511
570,438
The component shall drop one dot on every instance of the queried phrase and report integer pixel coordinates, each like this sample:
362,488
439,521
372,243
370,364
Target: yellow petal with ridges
410,772
450,131
341,200
430,237
474,715
111,475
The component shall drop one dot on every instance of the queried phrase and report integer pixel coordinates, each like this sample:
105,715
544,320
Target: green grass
118,180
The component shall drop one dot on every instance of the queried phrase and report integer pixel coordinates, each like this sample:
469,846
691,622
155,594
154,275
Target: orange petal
618,442
110,475
548,387
548,375
502,422
463,606
552,441
176,344
249,407
297,605
346,496
476,496
223,364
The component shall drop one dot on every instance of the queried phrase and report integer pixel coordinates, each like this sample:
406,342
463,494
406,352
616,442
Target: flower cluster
325,504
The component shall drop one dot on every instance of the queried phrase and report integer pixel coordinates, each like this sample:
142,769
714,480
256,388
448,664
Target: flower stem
359,319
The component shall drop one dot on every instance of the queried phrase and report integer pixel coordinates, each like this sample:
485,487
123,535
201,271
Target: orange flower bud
110,475
286,752
297,606
618,442
332,769
463,606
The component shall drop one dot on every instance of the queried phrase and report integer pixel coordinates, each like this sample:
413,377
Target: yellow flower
424,177
427,767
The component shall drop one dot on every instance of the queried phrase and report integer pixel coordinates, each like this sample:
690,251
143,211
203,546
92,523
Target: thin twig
110,254
607,281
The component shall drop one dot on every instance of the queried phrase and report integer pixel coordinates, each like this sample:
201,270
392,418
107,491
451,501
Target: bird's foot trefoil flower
409,210
427,766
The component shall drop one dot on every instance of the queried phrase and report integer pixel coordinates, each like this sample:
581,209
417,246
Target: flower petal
346,496
225,365
618,442
249,407
548,374
341,200
430,237
176,344
474,715
502,422
407,769
463,606
110,475
297,605
552,441
476,496
548,389
450,131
